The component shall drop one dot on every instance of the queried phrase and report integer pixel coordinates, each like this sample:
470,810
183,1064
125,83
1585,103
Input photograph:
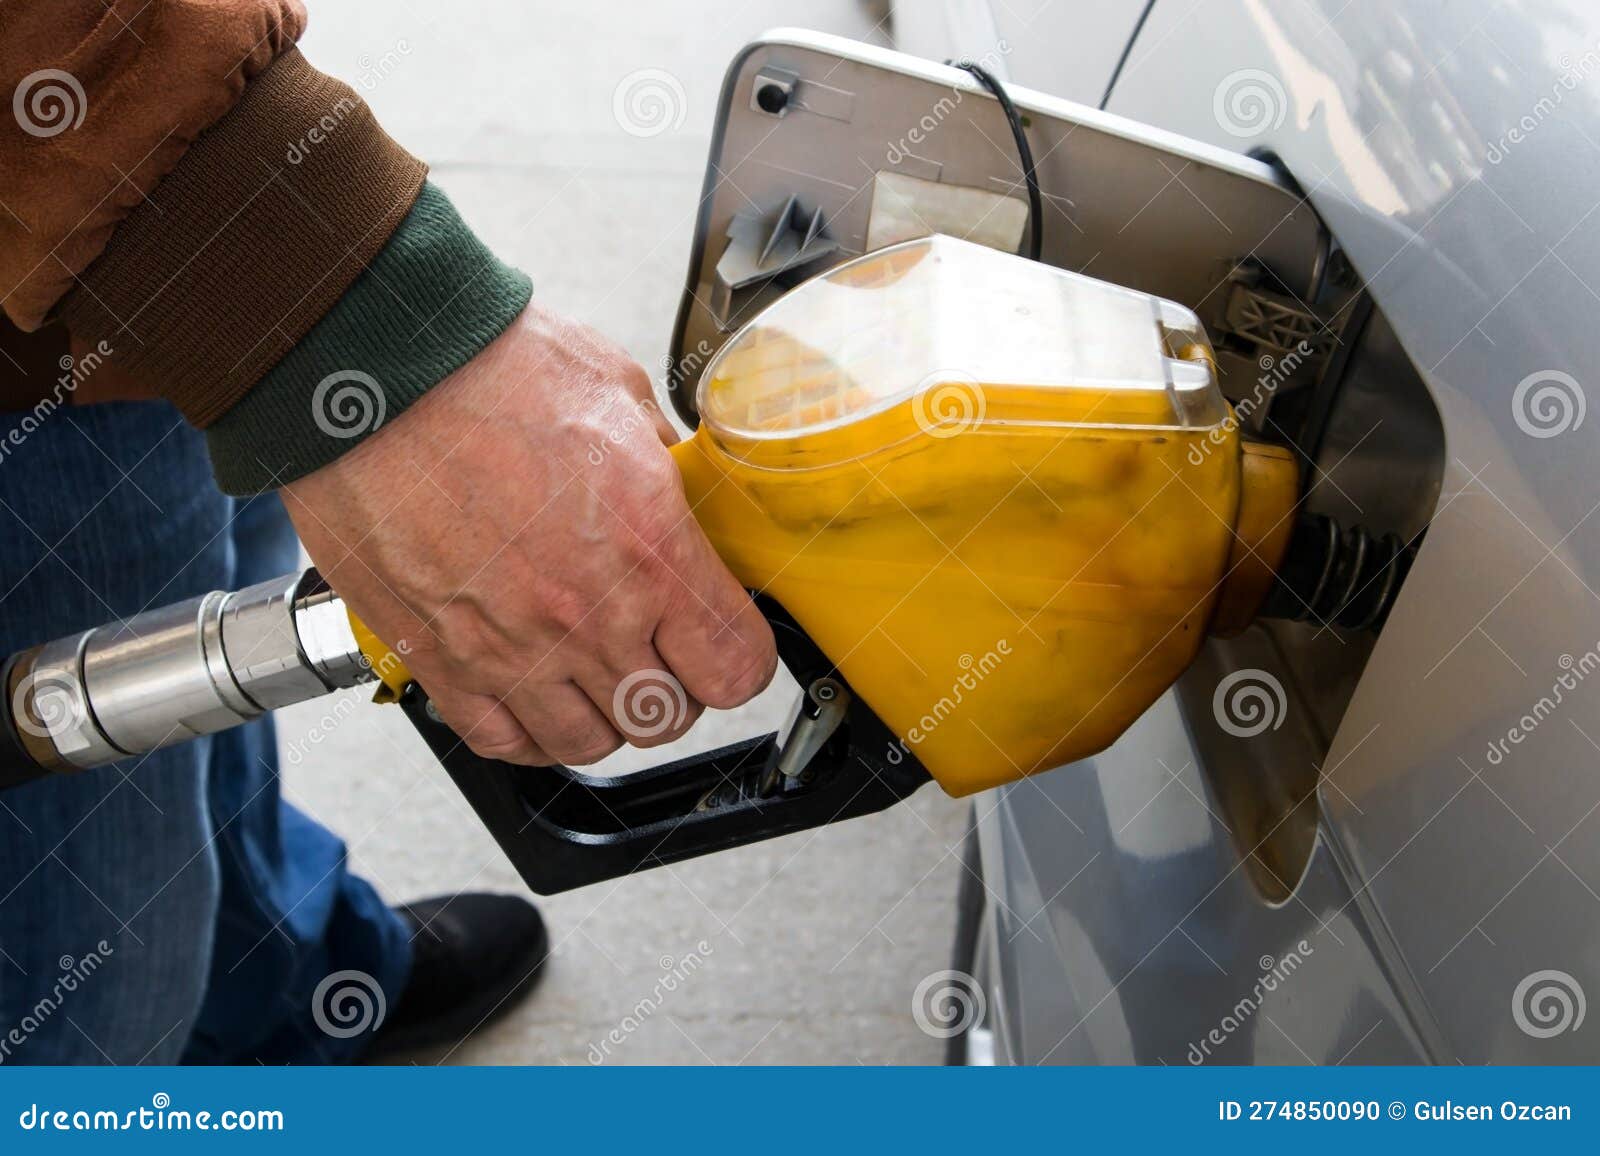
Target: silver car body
1452,150
1402,862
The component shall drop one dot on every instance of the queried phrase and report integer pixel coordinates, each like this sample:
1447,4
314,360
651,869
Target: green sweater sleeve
429,301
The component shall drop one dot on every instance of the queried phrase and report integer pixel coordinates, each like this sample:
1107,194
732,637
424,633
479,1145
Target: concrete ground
805,949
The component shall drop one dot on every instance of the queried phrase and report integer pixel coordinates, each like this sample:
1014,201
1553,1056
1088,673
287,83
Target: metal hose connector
174,673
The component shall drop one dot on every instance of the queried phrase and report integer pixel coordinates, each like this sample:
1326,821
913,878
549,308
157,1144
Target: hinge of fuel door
1277,349
1254,308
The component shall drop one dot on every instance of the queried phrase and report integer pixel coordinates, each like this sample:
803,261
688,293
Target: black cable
1127,50
1024,154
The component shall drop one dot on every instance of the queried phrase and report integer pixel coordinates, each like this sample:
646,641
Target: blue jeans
171,908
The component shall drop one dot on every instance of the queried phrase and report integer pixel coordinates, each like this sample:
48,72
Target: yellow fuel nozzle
1007,501
391,670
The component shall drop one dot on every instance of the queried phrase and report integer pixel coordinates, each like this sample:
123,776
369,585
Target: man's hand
523,531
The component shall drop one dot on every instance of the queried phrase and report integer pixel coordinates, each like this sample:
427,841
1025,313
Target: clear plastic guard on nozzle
1044,346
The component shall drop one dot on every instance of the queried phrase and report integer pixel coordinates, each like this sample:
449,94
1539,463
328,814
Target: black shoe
474,957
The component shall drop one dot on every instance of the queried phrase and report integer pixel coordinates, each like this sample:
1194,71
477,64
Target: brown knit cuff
243,247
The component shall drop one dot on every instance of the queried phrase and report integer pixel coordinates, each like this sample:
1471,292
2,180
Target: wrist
431,300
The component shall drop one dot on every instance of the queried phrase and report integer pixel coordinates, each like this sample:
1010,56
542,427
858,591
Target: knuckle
589,750
567,610
598,751
477,646
659,481
579,743
655,509
628,629
737,682
517,749
636,380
